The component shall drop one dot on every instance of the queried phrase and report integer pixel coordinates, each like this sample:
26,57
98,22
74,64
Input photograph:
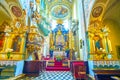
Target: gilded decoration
34,42
98,41
13,38
59,21
3,28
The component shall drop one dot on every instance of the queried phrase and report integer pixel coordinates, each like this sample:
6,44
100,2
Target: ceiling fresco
60,11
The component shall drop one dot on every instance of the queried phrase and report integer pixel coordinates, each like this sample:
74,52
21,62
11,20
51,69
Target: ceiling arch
8,10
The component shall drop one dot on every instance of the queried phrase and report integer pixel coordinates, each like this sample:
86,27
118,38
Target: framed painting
16,44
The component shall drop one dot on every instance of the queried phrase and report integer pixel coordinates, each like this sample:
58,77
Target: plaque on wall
16,11
97,11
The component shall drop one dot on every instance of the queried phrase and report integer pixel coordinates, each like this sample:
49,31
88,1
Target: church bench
79,69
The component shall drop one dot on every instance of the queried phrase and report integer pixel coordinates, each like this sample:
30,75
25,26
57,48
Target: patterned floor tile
55,75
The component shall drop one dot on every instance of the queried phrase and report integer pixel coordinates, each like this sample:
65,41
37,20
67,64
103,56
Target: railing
13,55
6,63
107,64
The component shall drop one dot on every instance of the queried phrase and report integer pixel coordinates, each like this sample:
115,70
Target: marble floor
55,75
52,75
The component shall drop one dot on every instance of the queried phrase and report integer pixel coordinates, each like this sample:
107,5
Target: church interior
59,40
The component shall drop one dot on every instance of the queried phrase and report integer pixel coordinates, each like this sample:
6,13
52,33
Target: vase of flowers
8,51
67,52
58,58
51,52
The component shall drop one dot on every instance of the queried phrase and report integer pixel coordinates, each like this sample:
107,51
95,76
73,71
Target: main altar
59,40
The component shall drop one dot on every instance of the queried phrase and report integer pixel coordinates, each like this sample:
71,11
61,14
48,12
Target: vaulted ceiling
8,10
106,10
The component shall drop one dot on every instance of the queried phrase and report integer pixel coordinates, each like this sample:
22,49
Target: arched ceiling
105,10
4,12
112,12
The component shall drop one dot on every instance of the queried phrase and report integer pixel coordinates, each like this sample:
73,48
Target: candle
109,44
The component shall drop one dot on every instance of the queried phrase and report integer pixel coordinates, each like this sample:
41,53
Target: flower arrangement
51,48
51,52
8,51
67,49
58,58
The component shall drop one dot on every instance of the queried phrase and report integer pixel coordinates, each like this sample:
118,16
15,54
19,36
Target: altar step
57,69
57,66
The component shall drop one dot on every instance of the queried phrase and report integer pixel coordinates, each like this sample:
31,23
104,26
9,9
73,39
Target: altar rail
6,63
105,69
10,69
110,64
13,56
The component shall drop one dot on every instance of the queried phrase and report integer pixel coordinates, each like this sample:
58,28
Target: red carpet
58,66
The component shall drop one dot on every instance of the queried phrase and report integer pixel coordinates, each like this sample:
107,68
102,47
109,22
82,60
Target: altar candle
93,45
109,44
